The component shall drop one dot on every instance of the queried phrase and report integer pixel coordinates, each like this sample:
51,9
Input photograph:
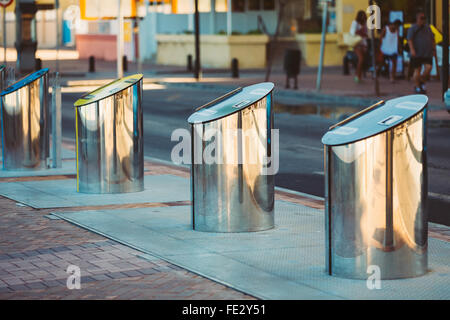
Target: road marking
439,196
304,146
298,193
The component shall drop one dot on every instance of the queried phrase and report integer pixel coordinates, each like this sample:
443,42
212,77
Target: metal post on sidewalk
445,44
322,43
119,40
229,18
4,36
197,42
58,35
138,44
374,66
56,123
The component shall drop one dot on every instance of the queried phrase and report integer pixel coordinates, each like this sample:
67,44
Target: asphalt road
301,151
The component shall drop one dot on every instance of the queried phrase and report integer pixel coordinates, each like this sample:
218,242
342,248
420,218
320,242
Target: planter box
310,46
216,51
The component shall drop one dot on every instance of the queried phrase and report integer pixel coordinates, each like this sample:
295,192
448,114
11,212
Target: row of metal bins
375,180
375,166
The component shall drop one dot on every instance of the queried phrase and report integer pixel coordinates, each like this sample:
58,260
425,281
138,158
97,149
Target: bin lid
375,119
24,81
231,103
108,90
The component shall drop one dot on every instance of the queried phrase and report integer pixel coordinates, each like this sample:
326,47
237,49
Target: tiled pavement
36,249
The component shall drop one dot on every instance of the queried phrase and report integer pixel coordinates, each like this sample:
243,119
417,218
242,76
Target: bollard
292,59
109,138
38,64
25,123
2,77
125,63
376,191
349,58
234,68
345,66
189,63
230,190
91,64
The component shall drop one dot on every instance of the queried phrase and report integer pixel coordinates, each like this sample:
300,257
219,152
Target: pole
56,123
229,18
152,26
445,44
138,40
4,36
120,40
212,17
191,15
197,42
322,44
372,42
58,35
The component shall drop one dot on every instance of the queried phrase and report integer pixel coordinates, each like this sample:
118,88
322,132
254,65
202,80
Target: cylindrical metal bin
230,190
109,137
25,123
376,191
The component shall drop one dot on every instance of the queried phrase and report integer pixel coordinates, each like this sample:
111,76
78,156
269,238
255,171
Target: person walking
359,28
389,45
422,48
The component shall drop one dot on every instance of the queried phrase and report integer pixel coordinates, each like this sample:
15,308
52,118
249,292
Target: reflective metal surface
376,192
231,193
25,123
109,132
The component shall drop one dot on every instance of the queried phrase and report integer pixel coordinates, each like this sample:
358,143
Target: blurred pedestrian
422,48
389,45
359,27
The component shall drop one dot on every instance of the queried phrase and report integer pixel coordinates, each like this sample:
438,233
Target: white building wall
179,23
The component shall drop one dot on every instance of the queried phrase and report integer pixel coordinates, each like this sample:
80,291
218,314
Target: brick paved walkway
36,249
35,252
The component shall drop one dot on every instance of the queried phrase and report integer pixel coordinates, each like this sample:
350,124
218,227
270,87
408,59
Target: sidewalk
336,88
120,257
36,249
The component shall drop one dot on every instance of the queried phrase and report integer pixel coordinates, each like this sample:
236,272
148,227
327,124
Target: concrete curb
299,96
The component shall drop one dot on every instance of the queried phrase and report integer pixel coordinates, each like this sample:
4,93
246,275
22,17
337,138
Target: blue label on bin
24,81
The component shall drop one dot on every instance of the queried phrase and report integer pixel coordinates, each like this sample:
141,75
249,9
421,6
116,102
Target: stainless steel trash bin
376,191
25,123
109,138
229,190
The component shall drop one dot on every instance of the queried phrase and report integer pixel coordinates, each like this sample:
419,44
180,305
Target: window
305,16
254,5
269,4
238,5
221,5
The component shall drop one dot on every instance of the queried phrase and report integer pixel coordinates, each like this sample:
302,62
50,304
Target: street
301,150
